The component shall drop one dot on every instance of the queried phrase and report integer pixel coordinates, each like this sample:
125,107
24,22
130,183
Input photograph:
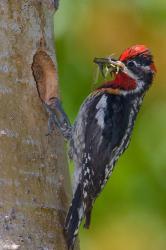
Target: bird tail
74,218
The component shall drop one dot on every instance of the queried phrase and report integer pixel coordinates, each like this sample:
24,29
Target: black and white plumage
105,128
102,131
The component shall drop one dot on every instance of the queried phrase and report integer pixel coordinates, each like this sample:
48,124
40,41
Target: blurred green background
130,214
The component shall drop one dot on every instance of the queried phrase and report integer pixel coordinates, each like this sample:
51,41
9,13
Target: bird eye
131,64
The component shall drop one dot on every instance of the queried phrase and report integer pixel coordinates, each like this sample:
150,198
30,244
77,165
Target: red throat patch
124,82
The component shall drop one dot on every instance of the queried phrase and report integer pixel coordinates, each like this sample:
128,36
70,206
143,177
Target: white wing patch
101,106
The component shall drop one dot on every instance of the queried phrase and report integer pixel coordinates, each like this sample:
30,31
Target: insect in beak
108,65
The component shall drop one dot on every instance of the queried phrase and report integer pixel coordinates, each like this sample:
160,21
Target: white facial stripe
138,89
129,73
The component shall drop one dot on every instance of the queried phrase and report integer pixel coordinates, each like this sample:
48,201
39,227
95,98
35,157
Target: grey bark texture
34,178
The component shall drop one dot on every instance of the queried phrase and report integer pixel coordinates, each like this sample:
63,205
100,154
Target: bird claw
58,118
51,125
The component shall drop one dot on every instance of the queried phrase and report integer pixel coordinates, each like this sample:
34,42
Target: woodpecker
102,129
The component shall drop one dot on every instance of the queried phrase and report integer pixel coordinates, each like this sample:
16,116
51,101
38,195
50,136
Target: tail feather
74,218
88,218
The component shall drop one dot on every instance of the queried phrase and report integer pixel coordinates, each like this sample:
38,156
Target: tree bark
34,179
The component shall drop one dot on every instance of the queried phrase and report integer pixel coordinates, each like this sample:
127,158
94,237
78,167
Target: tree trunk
34,179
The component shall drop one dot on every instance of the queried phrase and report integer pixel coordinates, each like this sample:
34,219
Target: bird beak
109,62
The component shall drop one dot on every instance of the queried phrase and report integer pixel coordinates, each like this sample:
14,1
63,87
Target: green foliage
130,213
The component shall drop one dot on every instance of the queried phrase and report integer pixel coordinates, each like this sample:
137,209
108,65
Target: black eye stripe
144,60
131,64
140,60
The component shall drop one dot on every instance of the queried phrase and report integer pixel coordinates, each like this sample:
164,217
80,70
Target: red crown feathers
134,51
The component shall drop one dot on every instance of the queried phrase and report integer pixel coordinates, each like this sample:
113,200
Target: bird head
134,70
